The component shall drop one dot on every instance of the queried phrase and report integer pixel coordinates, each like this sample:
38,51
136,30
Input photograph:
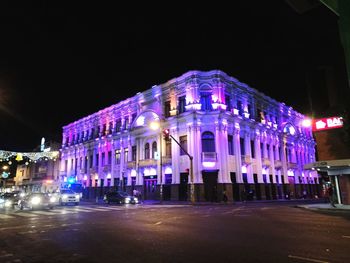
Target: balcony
265,162
166,160
209,157
131,164
292,165
278,164
106,168
147,162
246,159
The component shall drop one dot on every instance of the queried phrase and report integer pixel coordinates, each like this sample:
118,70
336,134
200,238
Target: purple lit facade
242,142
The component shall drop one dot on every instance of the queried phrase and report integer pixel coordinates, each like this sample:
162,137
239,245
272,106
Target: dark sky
60,63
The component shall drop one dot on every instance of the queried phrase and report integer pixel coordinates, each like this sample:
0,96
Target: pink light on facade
85,178
109,176
244,169
209,164
306,123
133,173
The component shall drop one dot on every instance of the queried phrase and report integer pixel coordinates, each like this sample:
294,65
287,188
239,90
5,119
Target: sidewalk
326,206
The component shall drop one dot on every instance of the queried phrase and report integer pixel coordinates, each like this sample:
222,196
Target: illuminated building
241,140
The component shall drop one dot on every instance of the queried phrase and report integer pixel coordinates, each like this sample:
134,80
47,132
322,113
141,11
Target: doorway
183,187
210,180
150,187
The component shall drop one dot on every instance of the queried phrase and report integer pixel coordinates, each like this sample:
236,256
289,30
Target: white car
67,196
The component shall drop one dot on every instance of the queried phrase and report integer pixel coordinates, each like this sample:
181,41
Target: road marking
308,259
158,223
96,209
346,236
25,214
44,213
113,208
80,210
2,216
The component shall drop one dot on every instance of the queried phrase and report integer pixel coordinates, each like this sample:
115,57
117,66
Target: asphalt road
250,232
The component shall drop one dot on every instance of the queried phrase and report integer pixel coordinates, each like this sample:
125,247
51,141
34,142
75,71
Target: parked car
68,196
37,200
120,197
9,200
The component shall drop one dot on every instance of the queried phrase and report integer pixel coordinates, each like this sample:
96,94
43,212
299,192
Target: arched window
154,149
147,151
208,142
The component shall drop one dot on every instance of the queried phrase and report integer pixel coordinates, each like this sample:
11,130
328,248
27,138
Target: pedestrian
330,195
224,197
304,194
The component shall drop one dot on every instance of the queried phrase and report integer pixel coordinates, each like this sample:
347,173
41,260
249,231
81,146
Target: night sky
61,63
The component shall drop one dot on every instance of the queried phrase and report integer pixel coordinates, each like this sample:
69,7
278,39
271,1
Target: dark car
9,200
37,200
120,198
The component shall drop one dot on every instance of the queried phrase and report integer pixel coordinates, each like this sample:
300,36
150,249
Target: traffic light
166,134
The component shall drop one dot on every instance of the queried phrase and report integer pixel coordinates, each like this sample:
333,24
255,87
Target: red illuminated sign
327,123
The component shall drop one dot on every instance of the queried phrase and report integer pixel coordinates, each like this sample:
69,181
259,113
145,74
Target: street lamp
155,125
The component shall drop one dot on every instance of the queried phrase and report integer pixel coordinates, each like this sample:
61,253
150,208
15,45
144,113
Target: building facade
242,142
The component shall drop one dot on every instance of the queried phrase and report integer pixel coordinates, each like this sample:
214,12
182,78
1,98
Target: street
251,232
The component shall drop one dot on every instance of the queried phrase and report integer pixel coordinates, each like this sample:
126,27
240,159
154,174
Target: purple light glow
209,164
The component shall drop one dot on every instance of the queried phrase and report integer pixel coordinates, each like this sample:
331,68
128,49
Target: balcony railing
292,165
166,160
265,162
209,157
147,162
246,159
131,164
278,164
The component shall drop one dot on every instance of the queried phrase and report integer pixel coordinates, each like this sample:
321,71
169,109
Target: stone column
238,156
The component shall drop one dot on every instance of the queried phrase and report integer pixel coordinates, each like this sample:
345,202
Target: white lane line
25,214
346,236
158,223
308,259
80,210
96,209
44,213
113,208
2,216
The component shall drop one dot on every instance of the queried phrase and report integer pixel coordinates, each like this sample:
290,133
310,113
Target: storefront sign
327,123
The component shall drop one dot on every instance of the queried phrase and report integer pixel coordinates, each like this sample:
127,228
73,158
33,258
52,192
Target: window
206,101
117,156
230,145
147,151
168,148
167,109
66,166
240,107
154,149
104,127
118,126
92,133
81,163
109,161
182,104
133,116
208,142
96,163
183,143
91,159
103,159
252,148
110,127
86,164
133,154
241,142
262,150
228,102
126,155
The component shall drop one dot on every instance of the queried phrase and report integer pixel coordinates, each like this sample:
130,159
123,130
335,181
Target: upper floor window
154,149
228,102
230,145
117,156
182,104
168,148
241,142
147,151
167,109
206,100
118,126
133,154
252,148
183,143
126,155
109,160
208,142
240,107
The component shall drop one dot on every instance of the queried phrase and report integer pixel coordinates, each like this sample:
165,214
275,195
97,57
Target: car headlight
35,200
52,199
22,194
64,196
8,203
127,200
77,197
136,200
